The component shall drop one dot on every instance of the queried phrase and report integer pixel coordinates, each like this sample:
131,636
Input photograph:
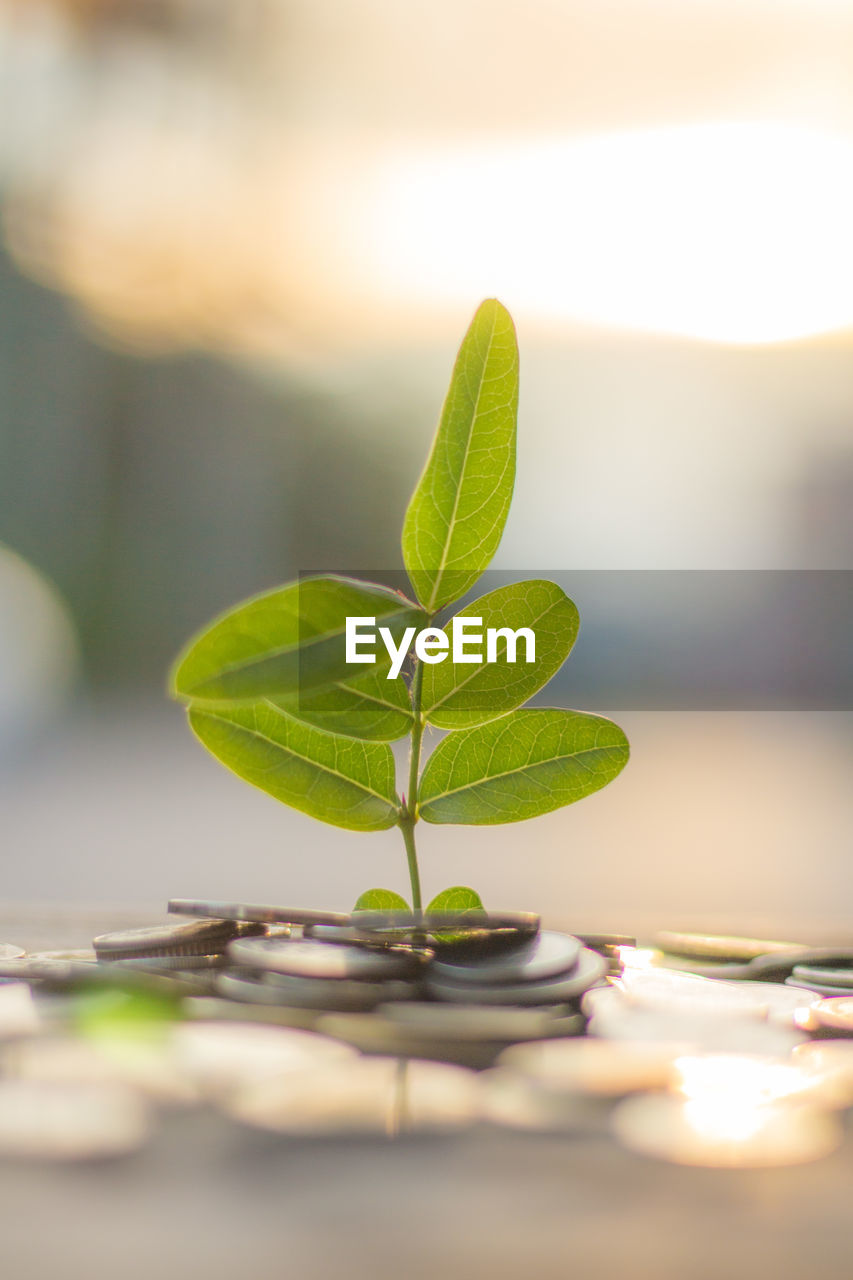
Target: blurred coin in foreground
312,959
220,1057
124,1061
831,1063
70,1121
722,947
604,1068
719,1135
544,956
475,1043
835,1012
18,1012
366,1096
513,1101
477,1022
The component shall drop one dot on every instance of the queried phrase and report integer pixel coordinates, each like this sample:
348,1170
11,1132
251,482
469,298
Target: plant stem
407,827
409,815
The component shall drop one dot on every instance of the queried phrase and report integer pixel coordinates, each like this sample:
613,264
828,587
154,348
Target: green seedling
271,693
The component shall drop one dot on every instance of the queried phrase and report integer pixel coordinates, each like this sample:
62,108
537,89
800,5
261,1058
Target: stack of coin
309,974
551,968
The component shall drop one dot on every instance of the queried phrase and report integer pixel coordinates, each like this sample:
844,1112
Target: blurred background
240,244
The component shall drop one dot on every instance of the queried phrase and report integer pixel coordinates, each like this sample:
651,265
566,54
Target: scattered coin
790,1006
831,1063
589,969
257,913
197,937
18,1013
478,1022
510,1099
603,1068
312,959
129,1062
713,1134
825,989
77,955
545,956
721,947
835,1012
828,977
474,1041
70,1122
221,1057
366,1096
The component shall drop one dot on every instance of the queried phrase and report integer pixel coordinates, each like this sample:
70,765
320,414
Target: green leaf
527,763
458,511
338,780
370,706
381,900
460,695
458,898
288,641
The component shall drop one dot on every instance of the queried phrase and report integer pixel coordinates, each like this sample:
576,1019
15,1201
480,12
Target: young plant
271,694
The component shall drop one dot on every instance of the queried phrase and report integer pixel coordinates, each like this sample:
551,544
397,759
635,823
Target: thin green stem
407,827
409,814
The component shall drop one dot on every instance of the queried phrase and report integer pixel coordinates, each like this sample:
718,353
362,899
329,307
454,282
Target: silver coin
196,937
76,955
482,1021
139,1063
830,1064
513,1101
476,1045
825,989
588,970
170,964
829,977
715,1136
70,1122
220,1057
836,1012
339,995
600,1068
10,951
790,1006
722,947
312,959
258,913
19,1015
366,1096
543,957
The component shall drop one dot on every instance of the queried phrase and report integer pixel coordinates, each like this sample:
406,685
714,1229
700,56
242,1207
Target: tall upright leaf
287,641
338,780
527,763
459,695
457,514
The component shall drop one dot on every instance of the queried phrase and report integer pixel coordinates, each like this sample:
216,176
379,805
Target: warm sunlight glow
728,232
